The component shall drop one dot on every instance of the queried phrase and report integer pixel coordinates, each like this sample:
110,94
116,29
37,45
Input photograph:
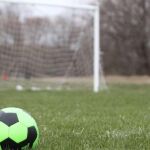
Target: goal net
45,46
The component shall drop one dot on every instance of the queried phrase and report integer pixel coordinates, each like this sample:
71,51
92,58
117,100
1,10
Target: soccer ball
18,130
19,88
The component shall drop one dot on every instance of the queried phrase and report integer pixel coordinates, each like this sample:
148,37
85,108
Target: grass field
117,119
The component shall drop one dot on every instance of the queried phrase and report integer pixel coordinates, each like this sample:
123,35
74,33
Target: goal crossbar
86,7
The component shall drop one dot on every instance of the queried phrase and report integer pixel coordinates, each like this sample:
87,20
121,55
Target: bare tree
124,28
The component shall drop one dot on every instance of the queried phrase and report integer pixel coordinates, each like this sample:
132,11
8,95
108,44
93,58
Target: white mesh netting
44,47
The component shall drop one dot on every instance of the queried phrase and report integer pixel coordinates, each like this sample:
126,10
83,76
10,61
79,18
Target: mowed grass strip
116,119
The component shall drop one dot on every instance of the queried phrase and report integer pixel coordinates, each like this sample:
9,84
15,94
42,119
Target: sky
54,10
41,11
70,1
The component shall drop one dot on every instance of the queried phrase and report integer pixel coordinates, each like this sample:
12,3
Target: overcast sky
55,10
70,1
40,11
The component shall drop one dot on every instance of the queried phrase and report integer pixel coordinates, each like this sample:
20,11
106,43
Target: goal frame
96,32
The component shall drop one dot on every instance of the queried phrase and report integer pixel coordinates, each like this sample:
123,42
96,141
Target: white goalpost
76,35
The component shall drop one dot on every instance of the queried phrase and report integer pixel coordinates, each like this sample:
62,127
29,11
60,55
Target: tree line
125,36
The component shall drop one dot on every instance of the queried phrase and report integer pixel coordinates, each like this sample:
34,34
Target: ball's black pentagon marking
1,112
9,144
8,118
32,135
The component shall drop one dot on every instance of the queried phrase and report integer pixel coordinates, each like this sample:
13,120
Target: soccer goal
50,46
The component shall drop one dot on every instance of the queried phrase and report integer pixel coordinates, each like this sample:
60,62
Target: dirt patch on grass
128,79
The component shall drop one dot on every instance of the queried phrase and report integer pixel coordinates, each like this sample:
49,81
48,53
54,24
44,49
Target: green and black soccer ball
18,130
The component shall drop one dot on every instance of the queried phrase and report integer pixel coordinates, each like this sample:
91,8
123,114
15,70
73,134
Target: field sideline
117,119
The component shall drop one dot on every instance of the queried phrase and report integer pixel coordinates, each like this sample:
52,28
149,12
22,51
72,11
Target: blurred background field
77,83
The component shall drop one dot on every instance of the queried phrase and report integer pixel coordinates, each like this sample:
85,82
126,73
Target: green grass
117,119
